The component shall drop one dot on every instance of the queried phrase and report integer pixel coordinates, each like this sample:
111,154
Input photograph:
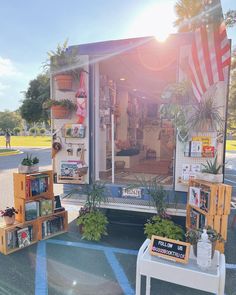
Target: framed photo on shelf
204,200
194,196
194,219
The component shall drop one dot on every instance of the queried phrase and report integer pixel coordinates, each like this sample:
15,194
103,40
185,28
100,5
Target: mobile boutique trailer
138,115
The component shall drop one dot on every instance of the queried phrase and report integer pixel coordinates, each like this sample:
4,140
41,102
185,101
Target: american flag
208,57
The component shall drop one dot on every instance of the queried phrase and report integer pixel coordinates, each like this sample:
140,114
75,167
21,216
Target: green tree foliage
193,13
9,120
187,12
232,96
38,92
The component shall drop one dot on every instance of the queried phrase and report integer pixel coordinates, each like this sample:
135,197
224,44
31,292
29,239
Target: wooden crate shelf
10,236
216,216
63,226
5,232
25,188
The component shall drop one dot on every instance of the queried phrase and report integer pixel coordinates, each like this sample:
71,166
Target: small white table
188,275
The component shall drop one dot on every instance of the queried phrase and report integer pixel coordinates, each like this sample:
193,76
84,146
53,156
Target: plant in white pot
29,165
210,171
9,215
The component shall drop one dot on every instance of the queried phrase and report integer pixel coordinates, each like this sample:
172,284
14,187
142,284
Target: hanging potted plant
61,109
9,215
60,62
205,116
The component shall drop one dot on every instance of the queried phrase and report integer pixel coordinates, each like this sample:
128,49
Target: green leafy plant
96,194
29,161
205,116
94,225
158,196
93,222
194,235
212,166
66,103
164,228
61,57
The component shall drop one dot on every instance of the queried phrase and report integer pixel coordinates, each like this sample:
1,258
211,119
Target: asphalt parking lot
68,265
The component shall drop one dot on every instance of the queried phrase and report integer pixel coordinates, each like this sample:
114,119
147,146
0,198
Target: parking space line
41,278
119,272
230,266
93,246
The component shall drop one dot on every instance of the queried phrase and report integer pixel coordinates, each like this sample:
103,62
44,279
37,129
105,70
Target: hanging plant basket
60,112
64,82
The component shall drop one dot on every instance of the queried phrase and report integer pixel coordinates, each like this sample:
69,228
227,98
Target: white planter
217,178
28,169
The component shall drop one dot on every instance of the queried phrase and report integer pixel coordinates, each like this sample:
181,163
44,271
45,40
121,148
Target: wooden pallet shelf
218,208
10,238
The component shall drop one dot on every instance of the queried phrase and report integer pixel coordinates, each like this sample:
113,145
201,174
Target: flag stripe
206,55
208,58
197,66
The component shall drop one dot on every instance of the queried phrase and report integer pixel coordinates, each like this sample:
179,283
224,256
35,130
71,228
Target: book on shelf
52,226
208,151
31,210
57,204
194,196
46,207
39,184
197,220
23,237
204,200
12,240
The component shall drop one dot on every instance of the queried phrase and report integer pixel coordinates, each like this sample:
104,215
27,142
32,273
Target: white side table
188,275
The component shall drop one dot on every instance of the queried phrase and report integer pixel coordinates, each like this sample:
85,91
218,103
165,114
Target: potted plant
61,109
210,171
61,62
163,227
194,235
160,224
29,165
205,116
92,222
9,215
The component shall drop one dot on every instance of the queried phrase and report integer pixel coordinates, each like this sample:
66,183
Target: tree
232,96
230,18
38,92
9,120
191,14
186,10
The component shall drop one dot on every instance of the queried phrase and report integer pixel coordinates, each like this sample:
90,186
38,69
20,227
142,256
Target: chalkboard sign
170,249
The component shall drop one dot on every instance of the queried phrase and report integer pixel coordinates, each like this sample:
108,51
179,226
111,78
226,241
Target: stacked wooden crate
215,213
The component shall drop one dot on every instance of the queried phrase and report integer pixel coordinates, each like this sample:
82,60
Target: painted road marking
41,278
230,181
41,281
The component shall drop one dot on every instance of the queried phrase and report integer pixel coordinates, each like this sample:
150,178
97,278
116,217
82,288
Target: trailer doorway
130,88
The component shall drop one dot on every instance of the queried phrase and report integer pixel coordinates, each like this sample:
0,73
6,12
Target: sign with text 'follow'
170,249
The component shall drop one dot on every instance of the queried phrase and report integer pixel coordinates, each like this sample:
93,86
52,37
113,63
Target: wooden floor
153,166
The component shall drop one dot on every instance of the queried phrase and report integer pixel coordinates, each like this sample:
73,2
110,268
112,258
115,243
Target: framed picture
205,200
194,196
74,130
194,219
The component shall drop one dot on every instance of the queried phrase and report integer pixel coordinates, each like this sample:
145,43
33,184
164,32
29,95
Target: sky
29,29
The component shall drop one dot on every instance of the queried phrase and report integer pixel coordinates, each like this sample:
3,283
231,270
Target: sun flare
157,20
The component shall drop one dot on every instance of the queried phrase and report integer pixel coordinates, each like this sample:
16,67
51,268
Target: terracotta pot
60,112
64,82
9,220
